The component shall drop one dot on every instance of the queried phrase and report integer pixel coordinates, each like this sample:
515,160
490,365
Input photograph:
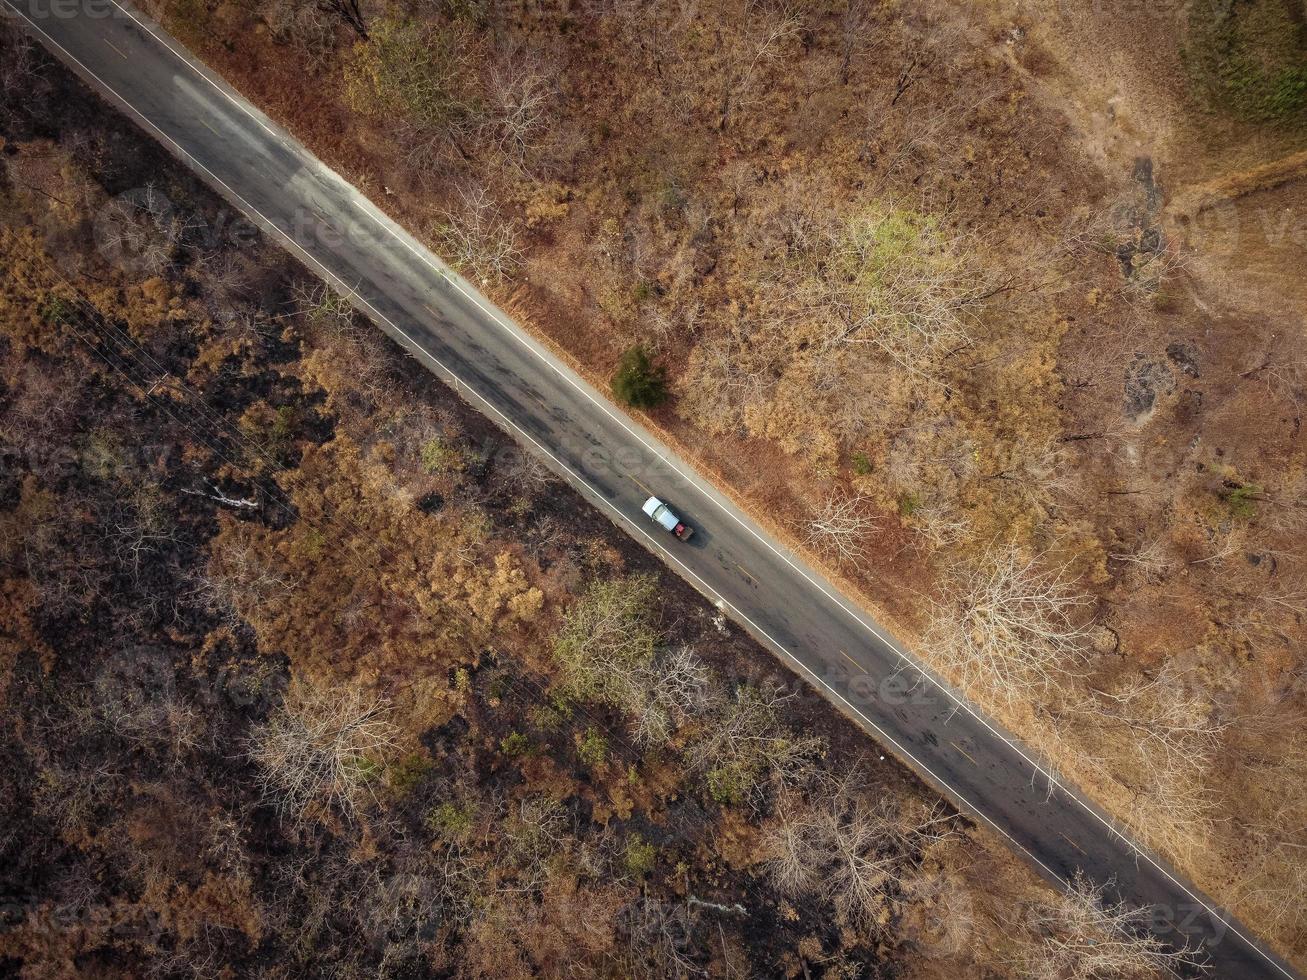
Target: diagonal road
502,372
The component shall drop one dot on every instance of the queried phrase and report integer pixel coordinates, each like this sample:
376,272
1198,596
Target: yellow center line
116,48
208,127
966,753
1071,842
640,485
850,660
744,570
427,307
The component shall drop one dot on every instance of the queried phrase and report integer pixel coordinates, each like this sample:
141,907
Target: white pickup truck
662,514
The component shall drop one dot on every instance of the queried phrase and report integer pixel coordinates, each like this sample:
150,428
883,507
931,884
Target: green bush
592,748
57,310
411,71
1242,500
438,457
545,718
450,821
640,856
366,770
728,785
405,774
515,744
639,382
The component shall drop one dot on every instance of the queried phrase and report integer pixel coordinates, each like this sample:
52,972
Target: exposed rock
1184,355
1145,380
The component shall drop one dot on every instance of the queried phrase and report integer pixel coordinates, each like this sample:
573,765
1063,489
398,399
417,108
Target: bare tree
744,742
519,91
667,691
1274,878
1085,935
350,12
321,750
309,27
850,850
608,650
1173,721
528,472
323,305
855,34
477,238
1125,230
1162,735
1152,560
1009,625
237,579
661,938
733,374
840,528
759,45
534,832
897,280
20,71
139,231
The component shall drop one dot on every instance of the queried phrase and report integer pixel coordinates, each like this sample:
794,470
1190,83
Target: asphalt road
616,464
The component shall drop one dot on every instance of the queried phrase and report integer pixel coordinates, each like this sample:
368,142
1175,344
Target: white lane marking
453,278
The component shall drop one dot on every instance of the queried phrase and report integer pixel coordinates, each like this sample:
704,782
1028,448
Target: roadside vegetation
305,669
901,302
865,246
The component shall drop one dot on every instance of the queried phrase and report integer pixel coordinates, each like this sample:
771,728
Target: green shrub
909,504
592,748
1242,500
411,71
367,770
728,785
640,856
514,744
861,463
462,680
450,821
545,718
638,381
56,310
405,774
438,457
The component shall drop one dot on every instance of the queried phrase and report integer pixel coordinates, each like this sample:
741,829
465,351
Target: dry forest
305,666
